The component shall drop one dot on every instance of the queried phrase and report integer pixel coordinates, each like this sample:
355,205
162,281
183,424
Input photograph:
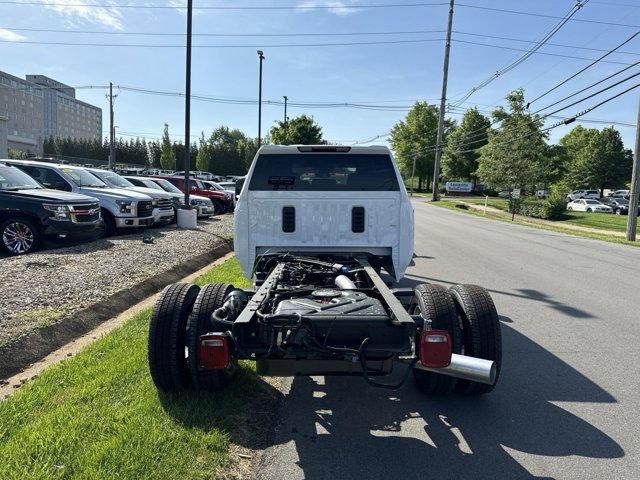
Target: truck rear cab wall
324,219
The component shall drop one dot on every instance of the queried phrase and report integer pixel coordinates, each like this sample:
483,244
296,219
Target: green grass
555,227
603,221
98,415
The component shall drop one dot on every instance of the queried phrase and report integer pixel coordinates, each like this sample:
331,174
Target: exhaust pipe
467,368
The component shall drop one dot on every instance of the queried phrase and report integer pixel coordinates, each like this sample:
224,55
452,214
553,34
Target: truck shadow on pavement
343,428
524,293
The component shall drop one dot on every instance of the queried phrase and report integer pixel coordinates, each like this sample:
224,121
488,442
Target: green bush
553,207
530,208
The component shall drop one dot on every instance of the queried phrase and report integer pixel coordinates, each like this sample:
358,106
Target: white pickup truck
317,227
163,212
120,208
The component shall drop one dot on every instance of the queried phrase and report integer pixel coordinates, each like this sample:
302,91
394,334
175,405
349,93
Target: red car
222,201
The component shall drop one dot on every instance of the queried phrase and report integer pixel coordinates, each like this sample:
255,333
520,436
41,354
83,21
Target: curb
37,344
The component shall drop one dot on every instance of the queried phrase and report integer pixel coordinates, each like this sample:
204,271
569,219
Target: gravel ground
37,290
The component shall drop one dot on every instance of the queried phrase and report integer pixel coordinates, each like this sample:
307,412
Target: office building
39,107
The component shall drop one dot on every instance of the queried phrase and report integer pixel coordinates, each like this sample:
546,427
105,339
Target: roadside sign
515,193
462,187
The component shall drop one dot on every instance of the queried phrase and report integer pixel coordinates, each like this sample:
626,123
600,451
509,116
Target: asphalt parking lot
567,402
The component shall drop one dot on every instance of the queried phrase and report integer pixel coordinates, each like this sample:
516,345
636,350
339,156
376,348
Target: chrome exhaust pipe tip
467,368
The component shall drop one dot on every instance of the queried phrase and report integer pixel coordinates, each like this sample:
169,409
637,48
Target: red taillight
435,348
213,351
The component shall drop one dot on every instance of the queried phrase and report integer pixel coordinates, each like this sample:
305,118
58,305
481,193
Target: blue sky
391,74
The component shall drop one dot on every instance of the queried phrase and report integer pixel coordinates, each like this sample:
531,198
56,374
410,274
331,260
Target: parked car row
590,201
41,200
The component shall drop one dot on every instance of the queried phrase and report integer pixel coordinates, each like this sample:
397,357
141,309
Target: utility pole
187,108
112,131
261,56
632,221
443,104
286,131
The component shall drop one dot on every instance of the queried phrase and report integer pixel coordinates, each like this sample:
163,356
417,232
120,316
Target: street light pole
261,56
112,131
632,221
286,131
443,103
187,107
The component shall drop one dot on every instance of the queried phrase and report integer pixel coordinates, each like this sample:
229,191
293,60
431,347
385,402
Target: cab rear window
324,172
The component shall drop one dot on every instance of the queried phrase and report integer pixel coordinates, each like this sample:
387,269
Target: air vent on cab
288,219
357,219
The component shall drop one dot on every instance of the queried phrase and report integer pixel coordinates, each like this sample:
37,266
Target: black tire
167,337
570,209
481,332
589,210
109,223
210,298
19,236
434,303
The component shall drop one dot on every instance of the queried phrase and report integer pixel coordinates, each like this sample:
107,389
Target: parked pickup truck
119,208
30,213
163,212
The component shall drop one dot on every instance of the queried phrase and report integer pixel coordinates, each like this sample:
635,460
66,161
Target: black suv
29,213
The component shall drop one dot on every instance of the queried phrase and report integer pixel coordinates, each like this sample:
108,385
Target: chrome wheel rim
18,238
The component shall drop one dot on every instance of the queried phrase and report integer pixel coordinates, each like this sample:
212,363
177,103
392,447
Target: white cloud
337,7
80,10
10,36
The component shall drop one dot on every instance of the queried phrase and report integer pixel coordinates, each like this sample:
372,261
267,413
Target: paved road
568,400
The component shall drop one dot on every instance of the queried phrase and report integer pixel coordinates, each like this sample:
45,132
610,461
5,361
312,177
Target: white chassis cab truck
317,228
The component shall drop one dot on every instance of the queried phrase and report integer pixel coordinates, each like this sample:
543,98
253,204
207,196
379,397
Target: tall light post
286,131
261,56
187,107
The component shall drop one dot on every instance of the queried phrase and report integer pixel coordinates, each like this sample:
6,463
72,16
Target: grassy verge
602,221
98,416
553,228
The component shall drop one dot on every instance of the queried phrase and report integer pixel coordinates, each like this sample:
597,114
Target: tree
415,138
302,130
513,156
461,152
167,154
596,158
154,151
203,158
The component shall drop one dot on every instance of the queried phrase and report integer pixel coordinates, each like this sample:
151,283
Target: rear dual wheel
468,313
180,315
210,298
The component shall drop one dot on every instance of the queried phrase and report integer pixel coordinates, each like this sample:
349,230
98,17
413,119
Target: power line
299,34
565,121
290,45
527,53
303,45
550,54
232,35
589,87
520,40
211,7
595,93
542,15
584,68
